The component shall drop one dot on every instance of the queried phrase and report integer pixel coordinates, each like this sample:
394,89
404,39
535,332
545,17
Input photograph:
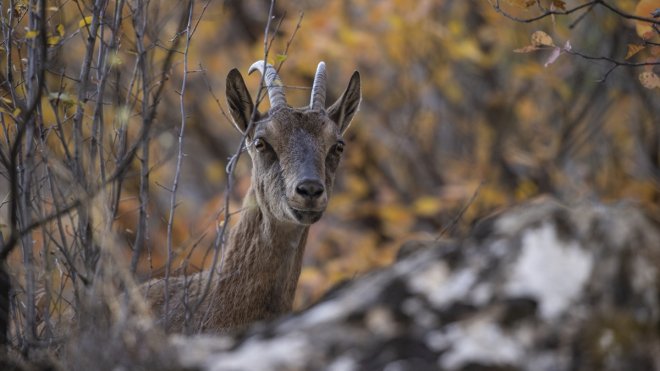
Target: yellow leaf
357,186
114,59
540,38
455,27
60,30
52,40
394,213
123,115
427,206
634,49
6,100
280,58
32,34
215,172
16,112
467,49
649,80
526,189
85,21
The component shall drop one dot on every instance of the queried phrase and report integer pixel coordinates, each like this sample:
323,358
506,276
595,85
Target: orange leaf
644,9
522,3
648,35
634,49
655,51
559,4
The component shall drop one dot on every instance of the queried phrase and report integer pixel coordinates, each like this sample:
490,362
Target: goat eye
259,144
339,148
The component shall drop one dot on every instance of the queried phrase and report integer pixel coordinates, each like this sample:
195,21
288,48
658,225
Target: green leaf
114,59
62,97
280,58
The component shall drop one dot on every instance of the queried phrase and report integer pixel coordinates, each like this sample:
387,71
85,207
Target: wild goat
295,153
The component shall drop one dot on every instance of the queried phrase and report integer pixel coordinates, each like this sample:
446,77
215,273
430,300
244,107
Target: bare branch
179,157
615,63
293,35
547,13
458,216
141,236
148,117
219,243
551,12
215,97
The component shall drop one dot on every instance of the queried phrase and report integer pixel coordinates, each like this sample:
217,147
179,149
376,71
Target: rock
541,286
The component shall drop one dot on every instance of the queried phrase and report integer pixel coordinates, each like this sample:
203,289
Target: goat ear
239,100
343,110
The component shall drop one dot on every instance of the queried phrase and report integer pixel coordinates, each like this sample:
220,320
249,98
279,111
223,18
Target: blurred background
453,123
447,106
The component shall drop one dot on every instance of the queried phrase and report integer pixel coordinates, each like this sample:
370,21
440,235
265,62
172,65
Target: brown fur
264,252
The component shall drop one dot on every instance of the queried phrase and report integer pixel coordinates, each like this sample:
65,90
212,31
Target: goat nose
310,189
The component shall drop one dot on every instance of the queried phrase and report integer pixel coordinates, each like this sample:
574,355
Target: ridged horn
317,100
272,81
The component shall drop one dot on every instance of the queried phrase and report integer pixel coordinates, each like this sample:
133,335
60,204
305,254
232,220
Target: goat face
294,151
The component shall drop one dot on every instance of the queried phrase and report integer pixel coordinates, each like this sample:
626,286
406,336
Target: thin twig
615,63
215,97
219,242
19,213
148,118
179,158
293,35
121,167
458,216
581,16
142,235
496,6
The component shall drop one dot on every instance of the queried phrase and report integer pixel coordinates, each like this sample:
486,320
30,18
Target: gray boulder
542,286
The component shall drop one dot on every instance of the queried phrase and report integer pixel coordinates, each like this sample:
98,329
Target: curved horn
272,81
317,100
